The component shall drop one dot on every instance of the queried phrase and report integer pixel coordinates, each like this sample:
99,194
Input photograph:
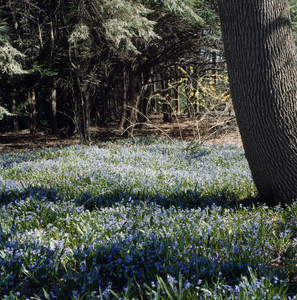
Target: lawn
140,219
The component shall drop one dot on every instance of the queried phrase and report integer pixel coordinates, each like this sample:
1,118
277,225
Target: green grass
140,219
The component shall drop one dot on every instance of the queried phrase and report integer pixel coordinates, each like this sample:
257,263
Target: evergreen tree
10,62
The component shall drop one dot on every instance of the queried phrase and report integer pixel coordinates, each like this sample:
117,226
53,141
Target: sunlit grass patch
169,172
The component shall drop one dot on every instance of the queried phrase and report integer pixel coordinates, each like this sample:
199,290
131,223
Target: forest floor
215,129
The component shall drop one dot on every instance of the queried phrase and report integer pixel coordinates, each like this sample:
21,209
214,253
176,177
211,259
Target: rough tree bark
261,60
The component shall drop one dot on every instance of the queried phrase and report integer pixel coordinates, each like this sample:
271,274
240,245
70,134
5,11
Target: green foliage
9,56
70,43
80,33
3,33
4,112
9,63
184,9
126,20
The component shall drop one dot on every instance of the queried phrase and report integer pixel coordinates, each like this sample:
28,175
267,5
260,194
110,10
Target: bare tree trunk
261,59
32,112
15,125
53,101
144,95
84,110
124,96
74,127
177,95
214,65
154,88
133,101
177,100
167,109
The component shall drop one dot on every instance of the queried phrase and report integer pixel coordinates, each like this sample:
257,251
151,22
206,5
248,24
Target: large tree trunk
261,60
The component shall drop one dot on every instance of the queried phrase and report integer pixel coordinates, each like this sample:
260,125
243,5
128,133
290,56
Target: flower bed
140,219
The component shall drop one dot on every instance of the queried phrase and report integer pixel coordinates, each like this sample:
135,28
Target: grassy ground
140,219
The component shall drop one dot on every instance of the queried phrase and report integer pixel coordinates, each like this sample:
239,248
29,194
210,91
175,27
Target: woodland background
68,68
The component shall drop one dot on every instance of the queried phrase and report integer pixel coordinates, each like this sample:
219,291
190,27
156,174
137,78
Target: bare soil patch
213,129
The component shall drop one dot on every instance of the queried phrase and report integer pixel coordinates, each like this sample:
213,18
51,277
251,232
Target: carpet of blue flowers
140,219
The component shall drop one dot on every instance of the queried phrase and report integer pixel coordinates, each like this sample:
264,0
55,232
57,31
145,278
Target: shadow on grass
38,269
189,199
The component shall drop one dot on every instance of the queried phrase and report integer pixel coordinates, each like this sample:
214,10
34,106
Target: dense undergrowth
140,219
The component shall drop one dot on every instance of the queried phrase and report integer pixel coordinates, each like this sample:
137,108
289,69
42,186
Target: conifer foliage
73,56
68,65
